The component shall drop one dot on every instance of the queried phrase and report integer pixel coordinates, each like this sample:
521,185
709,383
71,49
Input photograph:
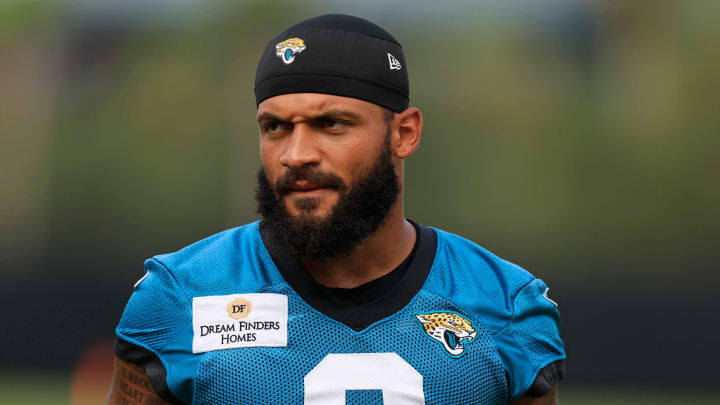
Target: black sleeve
151,363
546,378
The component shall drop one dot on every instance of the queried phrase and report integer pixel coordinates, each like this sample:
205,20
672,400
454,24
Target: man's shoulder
477,261
220,244
476,279
219,263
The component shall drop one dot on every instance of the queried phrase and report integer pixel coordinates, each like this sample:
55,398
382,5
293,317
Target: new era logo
394,63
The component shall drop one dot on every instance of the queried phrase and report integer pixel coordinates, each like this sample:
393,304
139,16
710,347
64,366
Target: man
334,297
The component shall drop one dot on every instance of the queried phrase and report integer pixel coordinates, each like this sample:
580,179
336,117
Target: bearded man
335,297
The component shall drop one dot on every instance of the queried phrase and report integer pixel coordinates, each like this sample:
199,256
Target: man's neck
375,256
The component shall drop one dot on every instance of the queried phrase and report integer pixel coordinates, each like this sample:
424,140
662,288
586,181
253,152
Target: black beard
357,214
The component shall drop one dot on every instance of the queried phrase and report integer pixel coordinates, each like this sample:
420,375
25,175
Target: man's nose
301,149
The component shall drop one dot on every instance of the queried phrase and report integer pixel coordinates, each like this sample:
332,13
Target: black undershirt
364,305
367,292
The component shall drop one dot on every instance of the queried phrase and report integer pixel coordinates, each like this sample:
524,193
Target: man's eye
272,126
333,124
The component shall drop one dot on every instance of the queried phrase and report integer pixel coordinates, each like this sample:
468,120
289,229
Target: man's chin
308,217
314,207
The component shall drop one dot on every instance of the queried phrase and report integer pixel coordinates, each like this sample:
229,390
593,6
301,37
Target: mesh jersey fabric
517,328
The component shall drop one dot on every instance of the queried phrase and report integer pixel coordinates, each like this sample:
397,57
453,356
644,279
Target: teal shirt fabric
517,326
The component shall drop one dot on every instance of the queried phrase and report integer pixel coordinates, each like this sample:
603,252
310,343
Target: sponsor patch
239,320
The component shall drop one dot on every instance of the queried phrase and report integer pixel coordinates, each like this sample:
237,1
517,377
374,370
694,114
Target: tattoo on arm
131,386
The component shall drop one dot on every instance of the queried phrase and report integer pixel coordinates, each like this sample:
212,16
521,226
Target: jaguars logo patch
288,49
451,330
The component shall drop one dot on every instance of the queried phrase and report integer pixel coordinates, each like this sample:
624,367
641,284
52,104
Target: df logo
239,308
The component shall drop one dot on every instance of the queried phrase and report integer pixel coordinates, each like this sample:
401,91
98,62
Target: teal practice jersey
230,320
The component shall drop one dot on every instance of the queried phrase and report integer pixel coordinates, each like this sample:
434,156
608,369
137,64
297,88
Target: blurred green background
578,139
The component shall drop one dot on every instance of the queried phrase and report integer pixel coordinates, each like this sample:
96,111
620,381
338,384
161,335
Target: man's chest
429,352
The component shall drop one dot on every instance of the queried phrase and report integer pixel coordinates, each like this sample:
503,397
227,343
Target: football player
335,297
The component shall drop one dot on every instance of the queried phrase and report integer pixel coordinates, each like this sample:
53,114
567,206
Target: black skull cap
335,54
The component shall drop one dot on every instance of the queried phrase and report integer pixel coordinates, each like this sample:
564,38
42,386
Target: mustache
311,174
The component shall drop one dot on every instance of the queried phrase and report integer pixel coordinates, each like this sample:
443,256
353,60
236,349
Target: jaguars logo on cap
451,330
287,49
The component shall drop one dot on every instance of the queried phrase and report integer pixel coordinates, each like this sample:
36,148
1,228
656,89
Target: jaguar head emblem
451,330
288,49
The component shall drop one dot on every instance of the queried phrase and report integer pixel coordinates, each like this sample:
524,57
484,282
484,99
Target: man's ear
408,128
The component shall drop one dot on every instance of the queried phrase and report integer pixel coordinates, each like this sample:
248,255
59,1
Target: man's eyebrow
267,117
324,115
337,114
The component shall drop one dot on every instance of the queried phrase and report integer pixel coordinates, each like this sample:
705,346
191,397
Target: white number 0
327,382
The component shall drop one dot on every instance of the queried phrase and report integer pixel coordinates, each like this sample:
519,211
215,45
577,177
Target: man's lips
306,187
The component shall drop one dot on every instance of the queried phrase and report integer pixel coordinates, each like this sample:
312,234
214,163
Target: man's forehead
313,104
